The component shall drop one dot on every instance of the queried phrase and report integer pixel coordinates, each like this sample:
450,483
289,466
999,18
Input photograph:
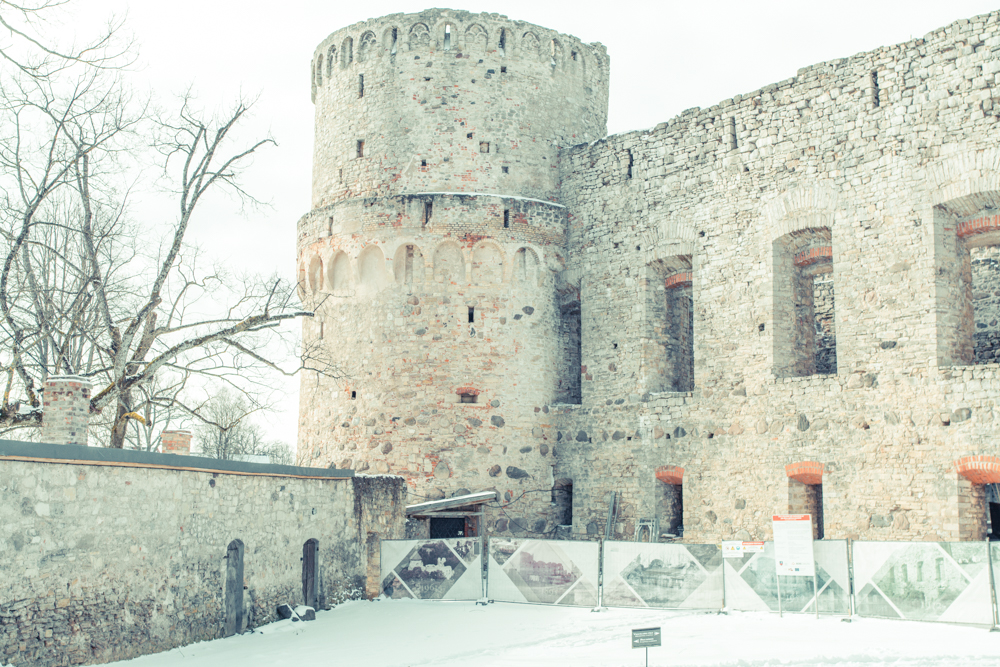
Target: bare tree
228,431
83,316
31,54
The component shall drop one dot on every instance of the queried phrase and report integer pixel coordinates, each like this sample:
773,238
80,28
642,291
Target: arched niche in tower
347,52
408,265
487,265
449,264
476,39
526,267
371,269
331,59
366,47
340,272
301,281
315,274
419,37
529,45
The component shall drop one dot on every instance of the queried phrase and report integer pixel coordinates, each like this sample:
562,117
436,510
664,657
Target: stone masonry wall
105,563
827,232
890,176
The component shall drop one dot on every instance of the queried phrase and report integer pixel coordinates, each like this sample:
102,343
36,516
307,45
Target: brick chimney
176,442
66,410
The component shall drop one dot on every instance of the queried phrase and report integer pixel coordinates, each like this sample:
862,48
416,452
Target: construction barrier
751,583
665,576
544,571
441,569
923,581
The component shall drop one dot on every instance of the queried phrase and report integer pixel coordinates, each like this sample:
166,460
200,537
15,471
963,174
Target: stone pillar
176,442
66,410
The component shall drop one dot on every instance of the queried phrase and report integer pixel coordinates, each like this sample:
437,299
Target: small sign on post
644,638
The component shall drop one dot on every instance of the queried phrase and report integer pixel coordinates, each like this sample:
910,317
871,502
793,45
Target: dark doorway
447,527
234,589
310,571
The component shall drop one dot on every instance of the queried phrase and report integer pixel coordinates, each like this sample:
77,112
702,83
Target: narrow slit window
428,210
875,90
392,47
733,143
361,85
468,398
503,41
361,147
423,163
506,217
341,175
354,395
447,38
472,313
321,330
628,172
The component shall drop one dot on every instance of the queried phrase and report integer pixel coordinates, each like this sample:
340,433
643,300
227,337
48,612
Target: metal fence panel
442,569
923,581
666,576
751,583
543,571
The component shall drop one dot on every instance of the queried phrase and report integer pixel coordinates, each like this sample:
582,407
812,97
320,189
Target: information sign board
793,545
753,547
645,637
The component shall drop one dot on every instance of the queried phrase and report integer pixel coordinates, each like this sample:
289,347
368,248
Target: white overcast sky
665,57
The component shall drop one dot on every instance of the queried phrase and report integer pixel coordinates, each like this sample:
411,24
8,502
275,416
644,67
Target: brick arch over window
807,472
670,474
979,469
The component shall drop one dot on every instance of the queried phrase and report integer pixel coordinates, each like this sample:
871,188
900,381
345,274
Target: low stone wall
107,559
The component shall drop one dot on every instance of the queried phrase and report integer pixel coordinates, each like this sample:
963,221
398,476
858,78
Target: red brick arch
979,469
670,474
807,472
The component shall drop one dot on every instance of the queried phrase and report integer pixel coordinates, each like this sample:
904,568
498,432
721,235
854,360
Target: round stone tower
432,254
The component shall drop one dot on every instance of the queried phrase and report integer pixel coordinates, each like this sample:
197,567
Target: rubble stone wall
109,562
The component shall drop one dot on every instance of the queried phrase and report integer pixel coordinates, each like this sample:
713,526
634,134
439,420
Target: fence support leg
993,588
815,592
777,578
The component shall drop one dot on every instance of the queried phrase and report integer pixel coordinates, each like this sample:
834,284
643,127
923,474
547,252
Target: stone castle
786,302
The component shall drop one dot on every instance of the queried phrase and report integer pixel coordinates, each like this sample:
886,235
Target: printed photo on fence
543,571
667,576
926,581
443,569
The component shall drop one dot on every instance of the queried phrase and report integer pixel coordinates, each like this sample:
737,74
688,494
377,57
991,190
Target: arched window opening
502,44
420,37
668,343
805,340
234,618
310,572
571,373
805,492
394,40
447,37
669,503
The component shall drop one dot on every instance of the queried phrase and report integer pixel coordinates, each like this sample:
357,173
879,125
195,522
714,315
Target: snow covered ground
407,633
